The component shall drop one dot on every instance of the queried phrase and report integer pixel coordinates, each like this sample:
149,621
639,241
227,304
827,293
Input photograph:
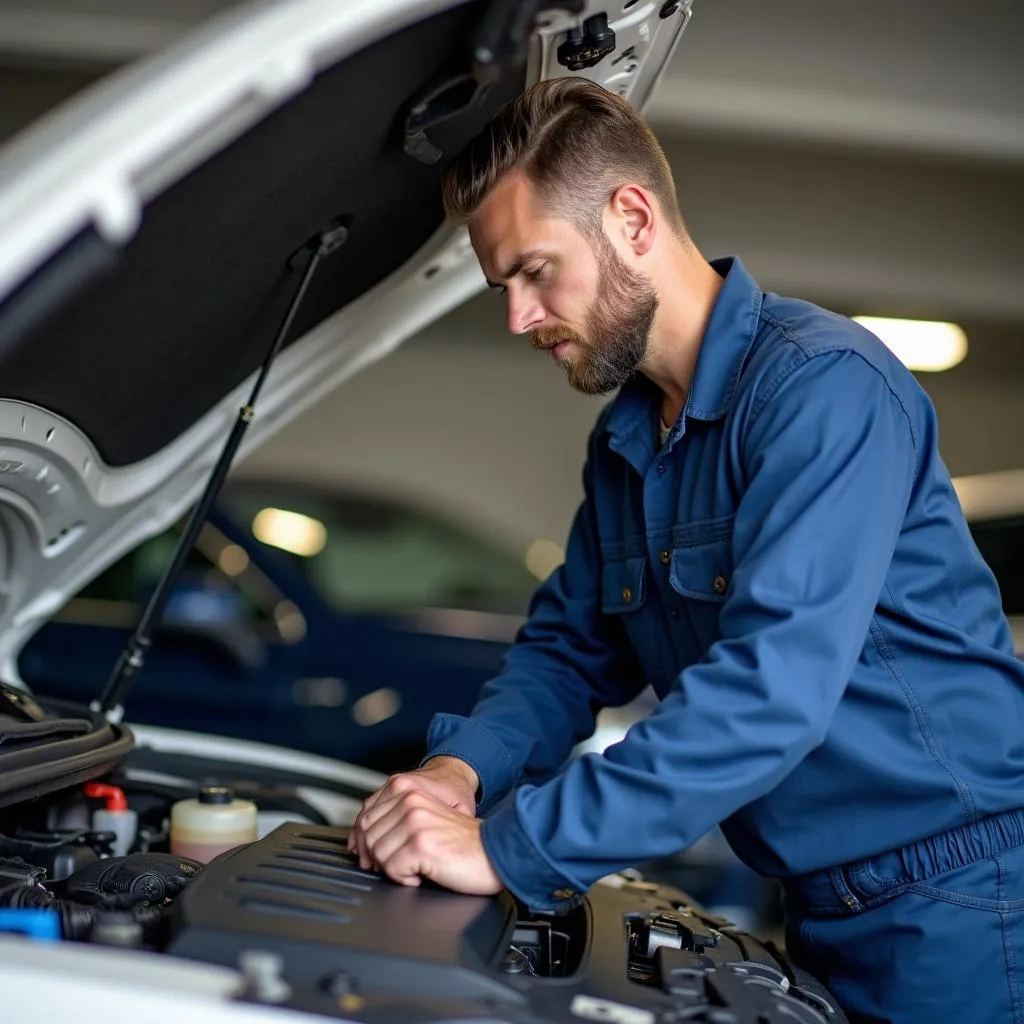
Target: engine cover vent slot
300,890
307,873
296,910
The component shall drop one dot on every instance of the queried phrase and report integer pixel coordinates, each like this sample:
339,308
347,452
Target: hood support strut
133,657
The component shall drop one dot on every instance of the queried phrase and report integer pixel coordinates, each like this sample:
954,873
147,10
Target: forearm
703,754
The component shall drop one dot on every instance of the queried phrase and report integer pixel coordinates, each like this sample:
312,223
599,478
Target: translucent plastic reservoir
205,827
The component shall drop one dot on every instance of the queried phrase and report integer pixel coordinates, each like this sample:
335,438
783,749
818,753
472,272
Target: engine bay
305,929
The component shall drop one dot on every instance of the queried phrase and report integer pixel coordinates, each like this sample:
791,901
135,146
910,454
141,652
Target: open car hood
149,232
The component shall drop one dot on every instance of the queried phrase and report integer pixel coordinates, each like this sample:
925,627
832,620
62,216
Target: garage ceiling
869,156
911,76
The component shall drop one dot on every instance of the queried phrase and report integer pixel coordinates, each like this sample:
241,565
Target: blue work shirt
792,573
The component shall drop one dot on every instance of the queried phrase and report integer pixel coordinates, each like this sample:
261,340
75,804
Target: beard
618,328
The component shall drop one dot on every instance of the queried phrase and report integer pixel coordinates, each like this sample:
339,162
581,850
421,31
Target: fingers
358,825
381,803
421,780
396,821
374,806
396,838
412,835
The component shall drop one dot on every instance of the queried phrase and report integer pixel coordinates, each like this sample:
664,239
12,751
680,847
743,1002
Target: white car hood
96,166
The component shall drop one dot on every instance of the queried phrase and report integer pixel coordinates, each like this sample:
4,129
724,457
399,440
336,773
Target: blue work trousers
927,934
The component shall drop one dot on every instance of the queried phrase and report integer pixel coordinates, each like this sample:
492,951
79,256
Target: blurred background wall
869,157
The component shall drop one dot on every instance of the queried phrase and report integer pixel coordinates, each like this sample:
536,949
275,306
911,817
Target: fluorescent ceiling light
919,344
290,531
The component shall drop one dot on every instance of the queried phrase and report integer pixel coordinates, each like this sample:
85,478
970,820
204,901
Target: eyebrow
516,266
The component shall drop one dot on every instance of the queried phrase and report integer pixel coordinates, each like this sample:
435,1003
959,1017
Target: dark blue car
329,621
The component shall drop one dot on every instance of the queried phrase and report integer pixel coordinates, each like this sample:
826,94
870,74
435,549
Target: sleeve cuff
456,736
525,871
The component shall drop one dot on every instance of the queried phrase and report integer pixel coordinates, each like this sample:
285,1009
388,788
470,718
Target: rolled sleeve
526,872
829,456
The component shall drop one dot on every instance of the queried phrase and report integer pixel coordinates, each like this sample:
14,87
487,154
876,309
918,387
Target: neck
687,289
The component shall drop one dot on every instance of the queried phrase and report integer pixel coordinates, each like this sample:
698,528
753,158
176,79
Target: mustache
549,337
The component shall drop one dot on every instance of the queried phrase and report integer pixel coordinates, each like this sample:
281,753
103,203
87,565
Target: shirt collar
727,340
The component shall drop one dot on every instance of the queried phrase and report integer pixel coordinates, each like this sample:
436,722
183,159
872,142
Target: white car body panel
339,810
45,983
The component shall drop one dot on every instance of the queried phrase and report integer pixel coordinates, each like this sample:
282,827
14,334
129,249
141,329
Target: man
769,538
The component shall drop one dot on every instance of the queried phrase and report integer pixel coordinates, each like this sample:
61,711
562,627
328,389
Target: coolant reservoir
203,828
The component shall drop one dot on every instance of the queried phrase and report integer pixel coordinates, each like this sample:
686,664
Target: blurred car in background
994,506
331,621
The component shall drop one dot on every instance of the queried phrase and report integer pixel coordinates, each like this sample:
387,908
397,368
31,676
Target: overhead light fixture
919,344
377,707
232,560
290,531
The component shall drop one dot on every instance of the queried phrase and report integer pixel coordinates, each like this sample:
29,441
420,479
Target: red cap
114,796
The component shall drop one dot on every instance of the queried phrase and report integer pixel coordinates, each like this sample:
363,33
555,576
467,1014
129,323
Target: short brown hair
576,142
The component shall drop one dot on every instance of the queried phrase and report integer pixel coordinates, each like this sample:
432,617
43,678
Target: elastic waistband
860,885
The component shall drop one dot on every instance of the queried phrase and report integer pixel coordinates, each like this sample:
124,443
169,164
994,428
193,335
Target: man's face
575,297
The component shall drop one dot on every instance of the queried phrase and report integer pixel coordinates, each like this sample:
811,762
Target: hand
412,836
449,780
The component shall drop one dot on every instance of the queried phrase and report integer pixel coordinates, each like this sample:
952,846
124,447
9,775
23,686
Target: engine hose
122,882
77,919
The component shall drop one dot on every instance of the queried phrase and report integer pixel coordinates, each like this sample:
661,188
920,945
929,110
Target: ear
633,214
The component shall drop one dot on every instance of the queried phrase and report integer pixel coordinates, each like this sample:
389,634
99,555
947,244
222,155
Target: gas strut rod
132,658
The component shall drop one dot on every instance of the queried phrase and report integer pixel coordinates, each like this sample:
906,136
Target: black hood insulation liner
128,666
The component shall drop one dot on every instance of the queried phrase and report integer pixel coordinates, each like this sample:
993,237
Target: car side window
407,561
370,555
208,591
1001,543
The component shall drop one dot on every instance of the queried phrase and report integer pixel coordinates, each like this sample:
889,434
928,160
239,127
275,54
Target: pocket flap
703,571
623,585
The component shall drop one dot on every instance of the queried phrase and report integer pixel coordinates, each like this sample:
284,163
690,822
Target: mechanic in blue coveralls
768,537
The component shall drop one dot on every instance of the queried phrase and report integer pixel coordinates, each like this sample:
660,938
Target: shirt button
666,557
661,469
720,584
627,594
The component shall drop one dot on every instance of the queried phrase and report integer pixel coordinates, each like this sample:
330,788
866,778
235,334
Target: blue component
36,924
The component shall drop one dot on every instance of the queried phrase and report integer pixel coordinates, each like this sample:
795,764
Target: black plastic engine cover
354,945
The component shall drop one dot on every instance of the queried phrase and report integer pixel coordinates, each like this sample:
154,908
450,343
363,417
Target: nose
524,312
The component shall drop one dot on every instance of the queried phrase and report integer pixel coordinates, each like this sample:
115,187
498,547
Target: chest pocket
701,573
624,595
